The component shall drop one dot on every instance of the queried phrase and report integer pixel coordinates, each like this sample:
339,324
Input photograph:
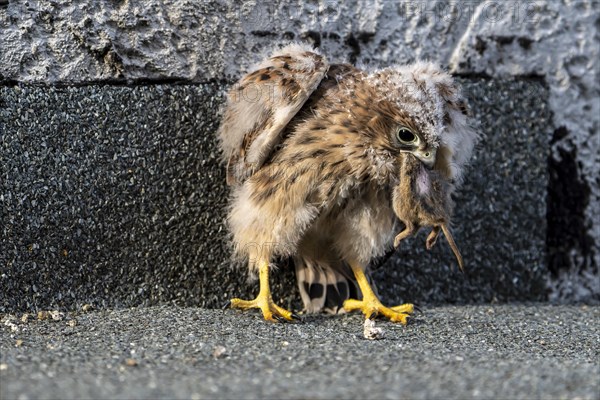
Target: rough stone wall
553,42
558,41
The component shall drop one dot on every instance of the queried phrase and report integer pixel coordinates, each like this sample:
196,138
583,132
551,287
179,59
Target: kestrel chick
314,158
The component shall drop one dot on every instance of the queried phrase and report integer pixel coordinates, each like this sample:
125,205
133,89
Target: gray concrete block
115,196
111,196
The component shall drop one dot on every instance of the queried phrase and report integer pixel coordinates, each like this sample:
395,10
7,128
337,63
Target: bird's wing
262,103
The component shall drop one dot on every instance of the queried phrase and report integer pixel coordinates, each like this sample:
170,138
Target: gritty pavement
482,352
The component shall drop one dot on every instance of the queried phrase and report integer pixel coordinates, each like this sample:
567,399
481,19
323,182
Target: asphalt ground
481,352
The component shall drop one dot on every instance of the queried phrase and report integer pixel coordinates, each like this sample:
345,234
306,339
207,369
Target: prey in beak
422,198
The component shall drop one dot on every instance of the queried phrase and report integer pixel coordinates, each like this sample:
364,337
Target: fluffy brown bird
314,154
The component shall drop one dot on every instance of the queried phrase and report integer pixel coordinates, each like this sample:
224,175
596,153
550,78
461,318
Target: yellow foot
370,304
264,301
271,311
372,307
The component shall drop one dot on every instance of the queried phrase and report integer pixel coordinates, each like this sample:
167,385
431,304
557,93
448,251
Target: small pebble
9,322
130,362
43,315
72,322
219,352
19,343
87,307
371,332
57,315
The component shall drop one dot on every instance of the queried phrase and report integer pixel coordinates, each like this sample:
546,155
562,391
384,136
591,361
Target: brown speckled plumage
315,160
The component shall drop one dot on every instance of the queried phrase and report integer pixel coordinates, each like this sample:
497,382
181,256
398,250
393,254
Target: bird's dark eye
405,136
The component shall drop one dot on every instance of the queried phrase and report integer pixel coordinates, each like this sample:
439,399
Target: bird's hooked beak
427,156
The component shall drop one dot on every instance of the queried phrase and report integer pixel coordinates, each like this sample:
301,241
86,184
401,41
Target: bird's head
426,116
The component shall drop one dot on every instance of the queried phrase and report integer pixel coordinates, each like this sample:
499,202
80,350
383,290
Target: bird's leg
370,304
432,238
264,301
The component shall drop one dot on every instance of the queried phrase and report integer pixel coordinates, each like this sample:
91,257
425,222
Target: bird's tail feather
324,286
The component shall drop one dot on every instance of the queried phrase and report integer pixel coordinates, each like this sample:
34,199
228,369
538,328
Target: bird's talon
270,310
372,309
404,308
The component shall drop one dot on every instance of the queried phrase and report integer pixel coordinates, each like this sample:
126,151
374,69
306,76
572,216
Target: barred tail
324,286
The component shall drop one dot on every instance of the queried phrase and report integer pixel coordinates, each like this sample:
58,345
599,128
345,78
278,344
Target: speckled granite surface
114,196
454,352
